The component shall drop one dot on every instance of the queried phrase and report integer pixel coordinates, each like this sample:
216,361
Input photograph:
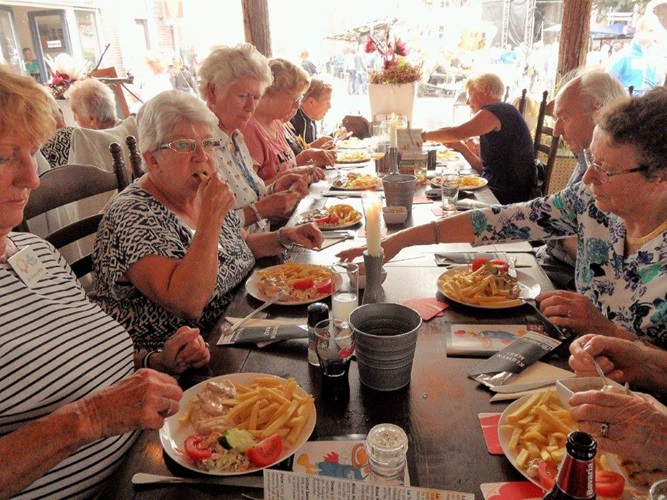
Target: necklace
643,239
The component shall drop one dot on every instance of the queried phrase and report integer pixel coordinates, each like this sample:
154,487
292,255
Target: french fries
352,157
284,276
359,181
480,288
471,181
268,406
538,431
347,213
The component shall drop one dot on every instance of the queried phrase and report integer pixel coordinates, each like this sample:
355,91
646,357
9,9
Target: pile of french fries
282,278
347,213
479,288
361,182
470,181
352,157
268,406
539,430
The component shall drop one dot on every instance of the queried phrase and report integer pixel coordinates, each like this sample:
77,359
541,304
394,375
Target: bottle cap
317,312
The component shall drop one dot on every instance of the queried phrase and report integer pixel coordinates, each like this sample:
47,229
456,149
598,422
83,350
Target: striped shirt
57,347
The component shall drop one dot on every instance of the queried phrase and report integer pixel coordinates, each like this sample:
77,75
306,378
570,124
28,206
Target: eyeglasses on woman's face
187,146
603,174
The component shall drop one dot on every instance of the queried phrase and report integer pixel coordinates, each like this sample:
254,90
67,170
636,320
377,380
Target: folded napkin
427,307
535,376
256,322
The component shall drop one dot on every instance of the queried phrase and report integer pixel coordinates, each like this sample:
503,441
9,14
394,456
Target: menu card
504,366
279,485
478,340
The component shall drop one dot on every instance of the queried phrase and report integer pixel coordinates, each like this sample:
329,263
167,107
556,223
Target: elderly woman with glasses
265,132
170,250
618,214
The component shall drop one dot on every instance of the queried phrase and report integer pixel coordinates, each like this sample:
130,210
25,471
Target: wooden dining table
438,410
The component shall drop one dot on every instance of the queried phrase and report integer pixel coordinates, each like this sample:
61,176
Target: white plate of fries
468,182
357,182
352,156
265,283
463,286
348,217
301,424
536,427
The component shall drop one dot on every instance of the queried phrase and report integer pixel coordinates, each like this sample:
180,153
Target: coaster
427,307
519,490
489,423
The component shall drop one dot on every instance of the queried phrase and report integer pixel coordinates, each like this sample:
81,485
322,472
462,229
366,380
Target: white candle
393,134
373,208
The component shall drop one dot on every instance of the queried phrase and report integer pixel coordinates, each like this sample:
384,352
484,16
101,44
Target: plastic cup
387,448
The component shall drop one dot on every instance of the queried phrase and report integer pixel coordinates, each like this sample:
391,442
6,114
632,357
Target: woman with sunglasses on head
265,133
618,214
170,249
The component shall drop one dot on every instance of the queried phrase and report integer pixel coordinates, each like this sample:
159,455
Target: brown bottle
576,476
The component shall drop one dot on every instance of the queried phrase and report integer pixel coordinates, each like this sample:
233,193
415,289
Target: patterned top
272,155
56,150
136,225
237,176
630,291
507,155
56,347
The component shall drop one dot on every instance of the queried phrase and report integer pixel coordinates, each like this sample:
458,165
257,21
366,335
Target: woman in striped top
67,380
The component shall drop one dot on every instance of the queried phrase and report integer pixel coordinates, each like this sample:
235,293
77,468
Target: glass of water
387,448
450,182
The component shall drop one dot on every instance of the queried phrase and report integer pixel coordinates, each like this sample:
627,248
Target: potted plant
391,89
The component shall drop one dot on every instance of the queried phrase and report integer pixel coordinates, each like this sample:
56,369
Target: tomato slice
479,262
197,448
334,219
322,220
266,451
303,284
325,287
609,484
502,265
547,472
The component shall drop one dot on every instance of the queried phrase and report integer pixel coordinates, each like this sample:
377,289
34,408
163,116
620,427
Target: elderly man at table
506,152
576,107
619,215
633,427
170,250
232,81
63,435
265,132
315,104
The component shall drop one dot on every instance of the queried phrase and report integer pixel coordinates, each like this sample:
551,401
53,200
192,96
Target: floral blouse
631,291
136,225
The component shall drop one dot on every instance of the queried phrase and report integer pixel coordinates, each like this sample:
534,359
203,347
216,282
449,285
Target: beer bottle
576,476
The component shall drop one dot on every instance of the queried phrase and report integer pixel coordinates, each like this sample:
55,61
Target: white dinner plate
529,289
343,187
351,156
251,285
505,434
173,435
304,217
435,182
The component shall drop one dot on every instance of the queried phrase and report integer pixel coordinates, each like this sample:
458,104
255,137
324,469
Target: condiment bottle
576,476
316,313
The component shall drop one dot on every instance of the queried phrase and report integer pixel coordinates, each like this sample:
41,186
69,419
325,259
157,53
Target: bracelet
280,241
145,361
255,211
436,230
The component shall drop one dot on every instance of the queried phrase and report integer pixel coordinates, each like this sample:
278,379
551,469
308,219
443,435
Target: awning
359,32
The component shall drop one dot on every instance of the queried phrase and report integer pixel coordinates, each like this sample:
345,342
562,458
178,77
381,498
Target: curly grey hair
90,97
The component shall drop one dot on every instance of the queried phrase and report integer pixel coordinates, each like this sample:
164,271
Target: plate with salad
238,424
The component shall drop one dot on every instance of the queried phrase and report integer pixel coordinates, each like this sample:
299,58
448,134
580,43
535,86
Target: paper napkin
419,199
520,490
427,307
489,423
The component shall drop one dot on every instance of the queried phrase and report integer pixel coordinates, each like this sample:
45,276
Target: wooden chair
135,157
358,125
546,143
67,184
522,101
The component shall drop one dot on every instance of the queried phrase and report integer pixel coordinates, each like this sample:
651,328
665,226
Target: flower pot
387,99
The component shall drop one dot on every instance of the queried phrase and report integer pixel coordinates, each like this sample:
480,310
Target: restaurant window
86,26
9,46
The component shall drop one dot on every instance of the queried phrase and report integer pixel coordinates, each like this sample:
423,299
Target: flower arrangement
65,71
396,68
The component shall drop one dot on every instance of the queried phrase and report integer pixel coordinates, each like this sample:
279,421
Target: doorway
50,36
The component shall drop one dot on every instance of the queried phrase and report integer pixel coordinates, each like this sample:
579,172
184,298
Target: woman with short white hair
93,104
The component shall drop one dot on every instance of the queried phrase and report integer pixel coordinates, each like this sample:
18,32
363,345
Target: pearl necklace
640,241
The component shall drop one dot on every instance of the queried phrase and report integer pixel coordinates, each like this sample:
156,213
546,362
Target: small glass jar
387,448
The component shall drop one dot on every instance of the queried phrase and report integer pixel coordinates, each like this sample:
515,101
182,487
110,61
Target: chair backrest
522,101
631,90
507,93
358,125
66,184
546,143
135,157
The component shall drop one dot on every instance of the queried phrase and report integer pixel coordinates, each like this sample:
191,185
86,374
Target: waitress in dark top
505,156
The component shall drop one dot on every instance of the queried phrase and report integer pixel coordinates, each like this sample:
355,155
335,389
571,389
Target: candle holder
374,293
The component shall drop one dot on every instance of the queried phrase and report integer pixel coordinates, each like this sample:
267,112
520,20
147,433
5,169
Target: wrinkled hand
217,199
574,311
324,142
141,401
306,235
637,429
621,360
185,349
278,206
291,182
319,157
390,247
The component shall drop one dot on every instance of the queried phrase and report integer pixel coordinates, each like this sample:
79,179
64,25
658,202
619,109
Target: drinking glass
387,448
659,490
450,191
345,297
379,146
334,345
